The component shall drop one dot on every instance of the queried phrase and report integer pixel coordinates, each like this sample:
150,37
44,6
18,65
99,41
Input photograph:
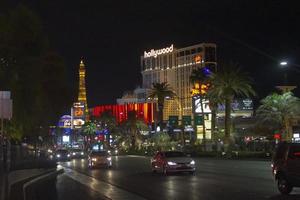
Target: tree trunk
213,120
288,136
227,122
160,115
203,118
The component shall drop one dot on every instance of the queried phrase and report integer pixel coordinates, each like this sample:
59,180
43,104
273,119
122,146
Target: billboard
78,114
65,121
239,105
197,104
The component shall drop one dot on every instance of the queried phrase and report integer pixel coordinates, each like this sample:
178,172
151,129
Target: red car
172,161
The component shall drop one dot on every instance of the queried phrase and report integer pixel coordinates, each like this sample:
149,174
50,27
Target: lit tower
82,89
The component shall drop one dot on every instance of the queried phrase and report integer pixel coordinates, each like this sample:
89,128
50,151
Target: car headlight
68,155
192,162
116,151
171,163
94,159
74,153
81,153
109,158
57,155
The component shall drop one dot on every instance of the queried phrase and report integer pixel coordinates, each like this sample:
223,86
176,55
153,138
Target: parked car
172,161
78,153
62,155
286,166
99,158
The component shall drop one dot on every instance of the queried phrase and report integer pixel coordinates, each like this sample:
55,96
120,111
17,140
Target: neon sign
155,53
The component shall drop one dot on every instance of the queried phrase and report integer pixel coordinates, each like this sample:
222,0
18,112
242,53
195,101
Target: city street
214,179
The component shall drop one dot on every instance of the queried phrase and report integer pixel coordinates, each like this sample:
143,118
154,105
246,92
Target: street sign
198,120
186,120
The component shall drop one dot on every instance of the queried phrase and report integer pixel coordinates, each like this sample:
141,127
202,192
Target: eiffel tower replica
82,88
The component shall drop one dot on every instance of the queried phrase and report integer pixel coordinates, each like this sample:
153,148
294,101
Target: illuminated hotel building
174,66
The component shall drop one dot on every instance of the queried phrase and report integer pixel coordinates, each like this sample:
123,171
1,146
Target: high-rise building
82,89
174,66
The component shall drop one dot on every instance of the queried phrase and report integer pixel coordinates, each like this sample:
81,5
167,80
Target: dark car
99,158
286,166
172,161
78,153
62,155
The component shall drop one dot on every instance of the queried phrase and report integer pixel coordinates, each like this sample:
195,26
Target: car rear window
174,154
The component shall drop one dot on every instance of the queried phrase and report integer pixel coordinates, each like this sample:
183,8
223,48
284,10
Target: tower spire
82,89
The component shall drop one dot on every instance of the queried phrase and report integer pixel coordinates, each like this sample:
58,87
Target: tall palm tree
161,91
134,125
199,77
279,110
226,85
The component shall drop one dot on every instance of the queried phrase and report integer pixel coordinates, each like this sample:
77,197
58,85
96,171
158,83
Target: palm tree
134,125
89,130
226,85
161,91
199,77
279,110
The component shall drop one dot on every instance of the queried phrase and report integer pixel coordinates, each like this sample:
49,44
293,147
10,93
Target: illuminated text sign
155,53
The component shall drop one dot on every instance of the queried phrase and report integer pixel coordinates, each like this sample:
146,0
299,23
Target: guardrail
37,188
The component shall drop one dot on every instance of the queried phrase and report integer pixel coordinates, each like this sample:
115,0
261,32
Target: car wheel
192,173
283,186
153,168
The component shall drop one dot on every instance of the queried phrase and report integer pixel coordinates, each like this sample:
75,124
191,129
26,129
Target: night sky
112,35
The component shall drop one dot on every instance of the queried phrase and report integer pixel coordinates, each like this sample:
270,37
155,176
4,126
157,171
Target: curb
39,179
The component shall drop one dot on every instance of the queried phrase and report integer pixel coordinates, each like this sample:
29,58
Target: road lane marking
106,189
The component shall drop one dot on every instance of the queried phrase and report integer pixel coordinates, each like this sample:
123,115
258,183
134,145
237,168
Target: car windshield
99,153
77,150
62,151
170,154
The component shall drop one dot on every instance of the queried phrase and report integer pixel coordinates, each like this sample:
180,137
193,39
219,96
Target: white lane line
106,189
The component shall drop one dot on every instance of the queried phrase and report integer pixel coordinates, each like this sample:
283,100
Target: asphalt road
214,179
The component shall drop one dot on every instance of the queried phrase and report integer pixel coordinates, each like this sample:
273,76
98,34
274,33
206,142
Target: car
286,166
99,158
78,153
172,161
62,155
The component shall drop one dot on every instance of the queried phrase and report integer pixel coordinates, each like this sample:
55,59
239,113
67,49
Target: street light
283,63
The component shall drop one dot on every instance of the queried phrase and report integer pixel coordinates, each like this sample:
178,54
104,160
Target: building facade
174,66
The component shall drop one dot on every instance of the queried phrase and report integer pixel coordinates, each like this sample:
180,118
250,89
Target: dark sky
111,35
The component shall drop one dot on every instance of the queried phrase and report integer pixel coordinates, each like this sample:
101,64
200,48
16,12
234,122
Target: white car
172,161
99,158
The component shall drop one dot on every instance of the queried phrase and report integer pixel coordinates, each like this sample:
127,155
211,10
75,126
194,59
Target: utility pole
5,113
